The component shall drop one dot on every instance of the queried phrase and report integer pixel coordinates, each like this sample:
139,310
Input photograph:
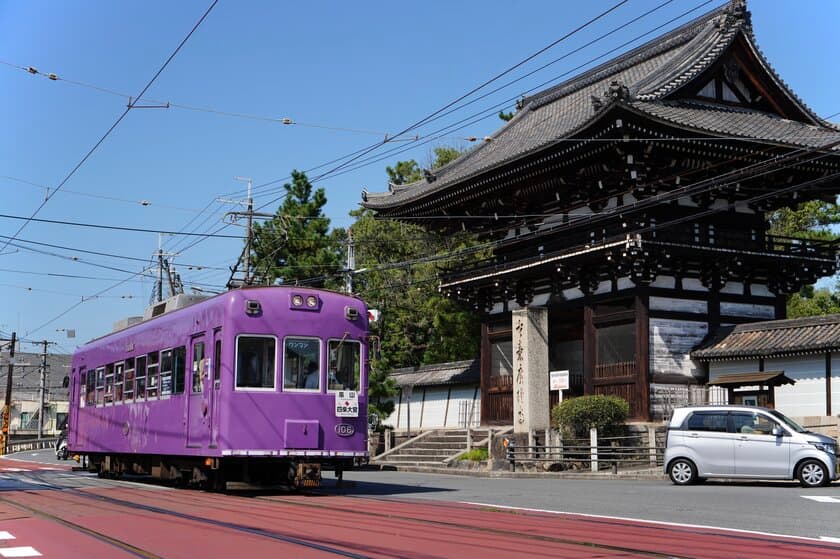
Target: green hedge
576,416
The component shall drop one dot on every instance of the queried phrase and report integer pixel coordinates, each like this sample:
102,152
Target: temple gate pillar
530,369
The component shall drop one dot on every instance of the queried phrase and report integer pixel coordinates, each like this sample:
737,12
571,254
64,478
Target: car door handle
694,435
744,438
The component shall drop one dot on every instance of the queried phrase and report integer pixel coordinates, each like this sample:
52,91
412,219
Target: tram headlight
311,301
297,300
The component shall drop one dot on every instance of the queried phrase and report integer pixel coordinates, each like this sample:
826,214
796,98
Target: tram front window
345,365
255,361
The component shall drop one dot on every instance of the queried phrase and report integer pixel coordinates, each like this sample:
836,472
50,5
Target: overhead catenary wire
113,126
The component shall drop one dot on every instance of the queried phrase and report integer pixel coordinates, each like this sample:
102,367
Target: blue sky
346,73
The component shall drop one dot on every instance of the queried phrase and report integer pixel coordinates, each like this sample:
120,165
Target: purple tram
263,385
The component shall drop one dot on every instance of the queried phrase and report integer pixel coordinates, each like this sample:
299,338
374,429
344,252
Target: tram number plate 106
347,403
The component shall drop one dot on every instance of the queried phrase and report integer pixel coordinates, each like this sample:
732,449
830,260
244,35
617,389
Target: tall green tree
817,220
297,243
418,325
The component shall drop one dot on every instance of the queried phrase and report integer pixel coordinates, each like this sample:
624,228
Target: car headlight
825,447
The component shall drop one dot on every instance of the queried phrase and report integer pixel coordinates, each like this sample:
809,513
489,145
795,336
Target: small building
436,396
792,365
26,380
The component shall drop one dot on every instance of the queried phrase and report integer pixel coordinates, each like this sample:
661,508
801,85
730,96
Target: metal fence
469,414
635,451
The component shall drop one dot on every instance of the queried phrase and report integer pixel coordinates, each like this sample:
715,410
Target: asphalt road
768,507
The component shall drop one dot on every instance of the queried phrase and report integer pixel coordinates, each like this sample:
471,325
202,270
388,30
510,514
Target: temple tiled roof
773,338
456,372
643,80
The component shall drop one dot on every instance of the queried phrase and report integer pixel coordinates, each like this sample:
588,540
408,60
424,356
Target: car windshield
788,421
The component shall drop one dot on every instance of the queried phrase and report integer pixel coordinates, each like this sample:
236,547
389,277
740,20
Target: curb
629,475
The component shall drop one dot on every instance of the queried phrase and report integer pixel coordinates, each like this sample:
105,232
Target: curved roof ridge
656,46
700,53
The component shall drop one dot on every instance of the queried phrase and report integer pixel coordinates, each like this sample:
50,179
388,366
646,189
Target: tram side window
119,375
152,378
198,368
344,370
165,373
179,366
255,362
302,364
100,386
217,365
109,384
90,388
140,392
128,388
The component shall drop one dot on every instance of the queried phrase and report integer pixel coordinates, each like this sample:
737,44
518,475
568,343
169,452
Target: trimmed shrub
576,416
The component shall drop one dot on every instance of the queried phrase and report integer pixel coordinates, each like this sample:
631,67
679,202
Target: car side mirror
777,431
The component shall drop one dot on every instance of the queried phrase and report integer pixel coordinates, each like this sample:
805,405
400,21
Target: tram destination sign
347,403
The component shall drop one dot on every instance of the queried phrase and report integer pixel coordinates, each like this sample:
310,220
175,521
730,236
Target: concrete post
530,370
593,448
652,444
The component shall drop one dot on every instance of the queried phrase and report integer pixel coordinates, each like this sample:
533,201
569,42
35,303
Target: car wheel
812,473
682,472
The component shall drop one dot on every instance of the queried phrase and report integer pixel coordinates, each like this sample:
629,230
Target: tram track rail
273,499
145,554
238,503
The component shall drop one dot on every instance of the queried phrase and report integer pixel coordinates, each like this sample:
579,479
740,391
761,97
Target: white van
745,442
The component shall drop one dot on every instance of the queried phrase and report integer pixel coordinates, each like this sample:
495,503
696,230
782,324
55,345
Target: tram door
216,371
200,387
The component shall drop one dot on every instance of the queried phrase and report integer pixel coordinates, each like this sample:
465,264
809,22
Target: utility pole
7,407
42,390
245,257
250,212
351,261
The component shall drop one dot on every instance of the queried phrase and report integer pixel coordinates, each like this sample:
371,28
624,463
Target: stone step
427,451
441,444
411,458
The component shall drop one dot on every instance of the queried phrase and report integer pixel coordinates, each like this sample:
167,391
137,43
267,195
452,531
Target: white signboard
558,380
347,403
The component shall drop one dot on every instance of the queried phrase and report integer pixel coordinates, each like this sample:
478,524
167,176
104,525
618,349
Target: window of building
25,418
140,384
198,365
119,375
100,386
60,420
501,358
128,388
302,364
109,384
344,367
255,361
153,376
616,343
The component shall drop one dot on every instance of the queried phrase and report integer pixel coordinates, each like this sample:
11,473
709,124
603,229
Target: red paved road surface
191,524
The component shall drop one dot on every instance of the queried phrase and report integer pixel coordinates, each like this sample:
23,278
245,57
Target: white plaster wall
807,396
679,305
671,341
746,309
693,284
734,287
463,395
434,408
668,282
835,384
